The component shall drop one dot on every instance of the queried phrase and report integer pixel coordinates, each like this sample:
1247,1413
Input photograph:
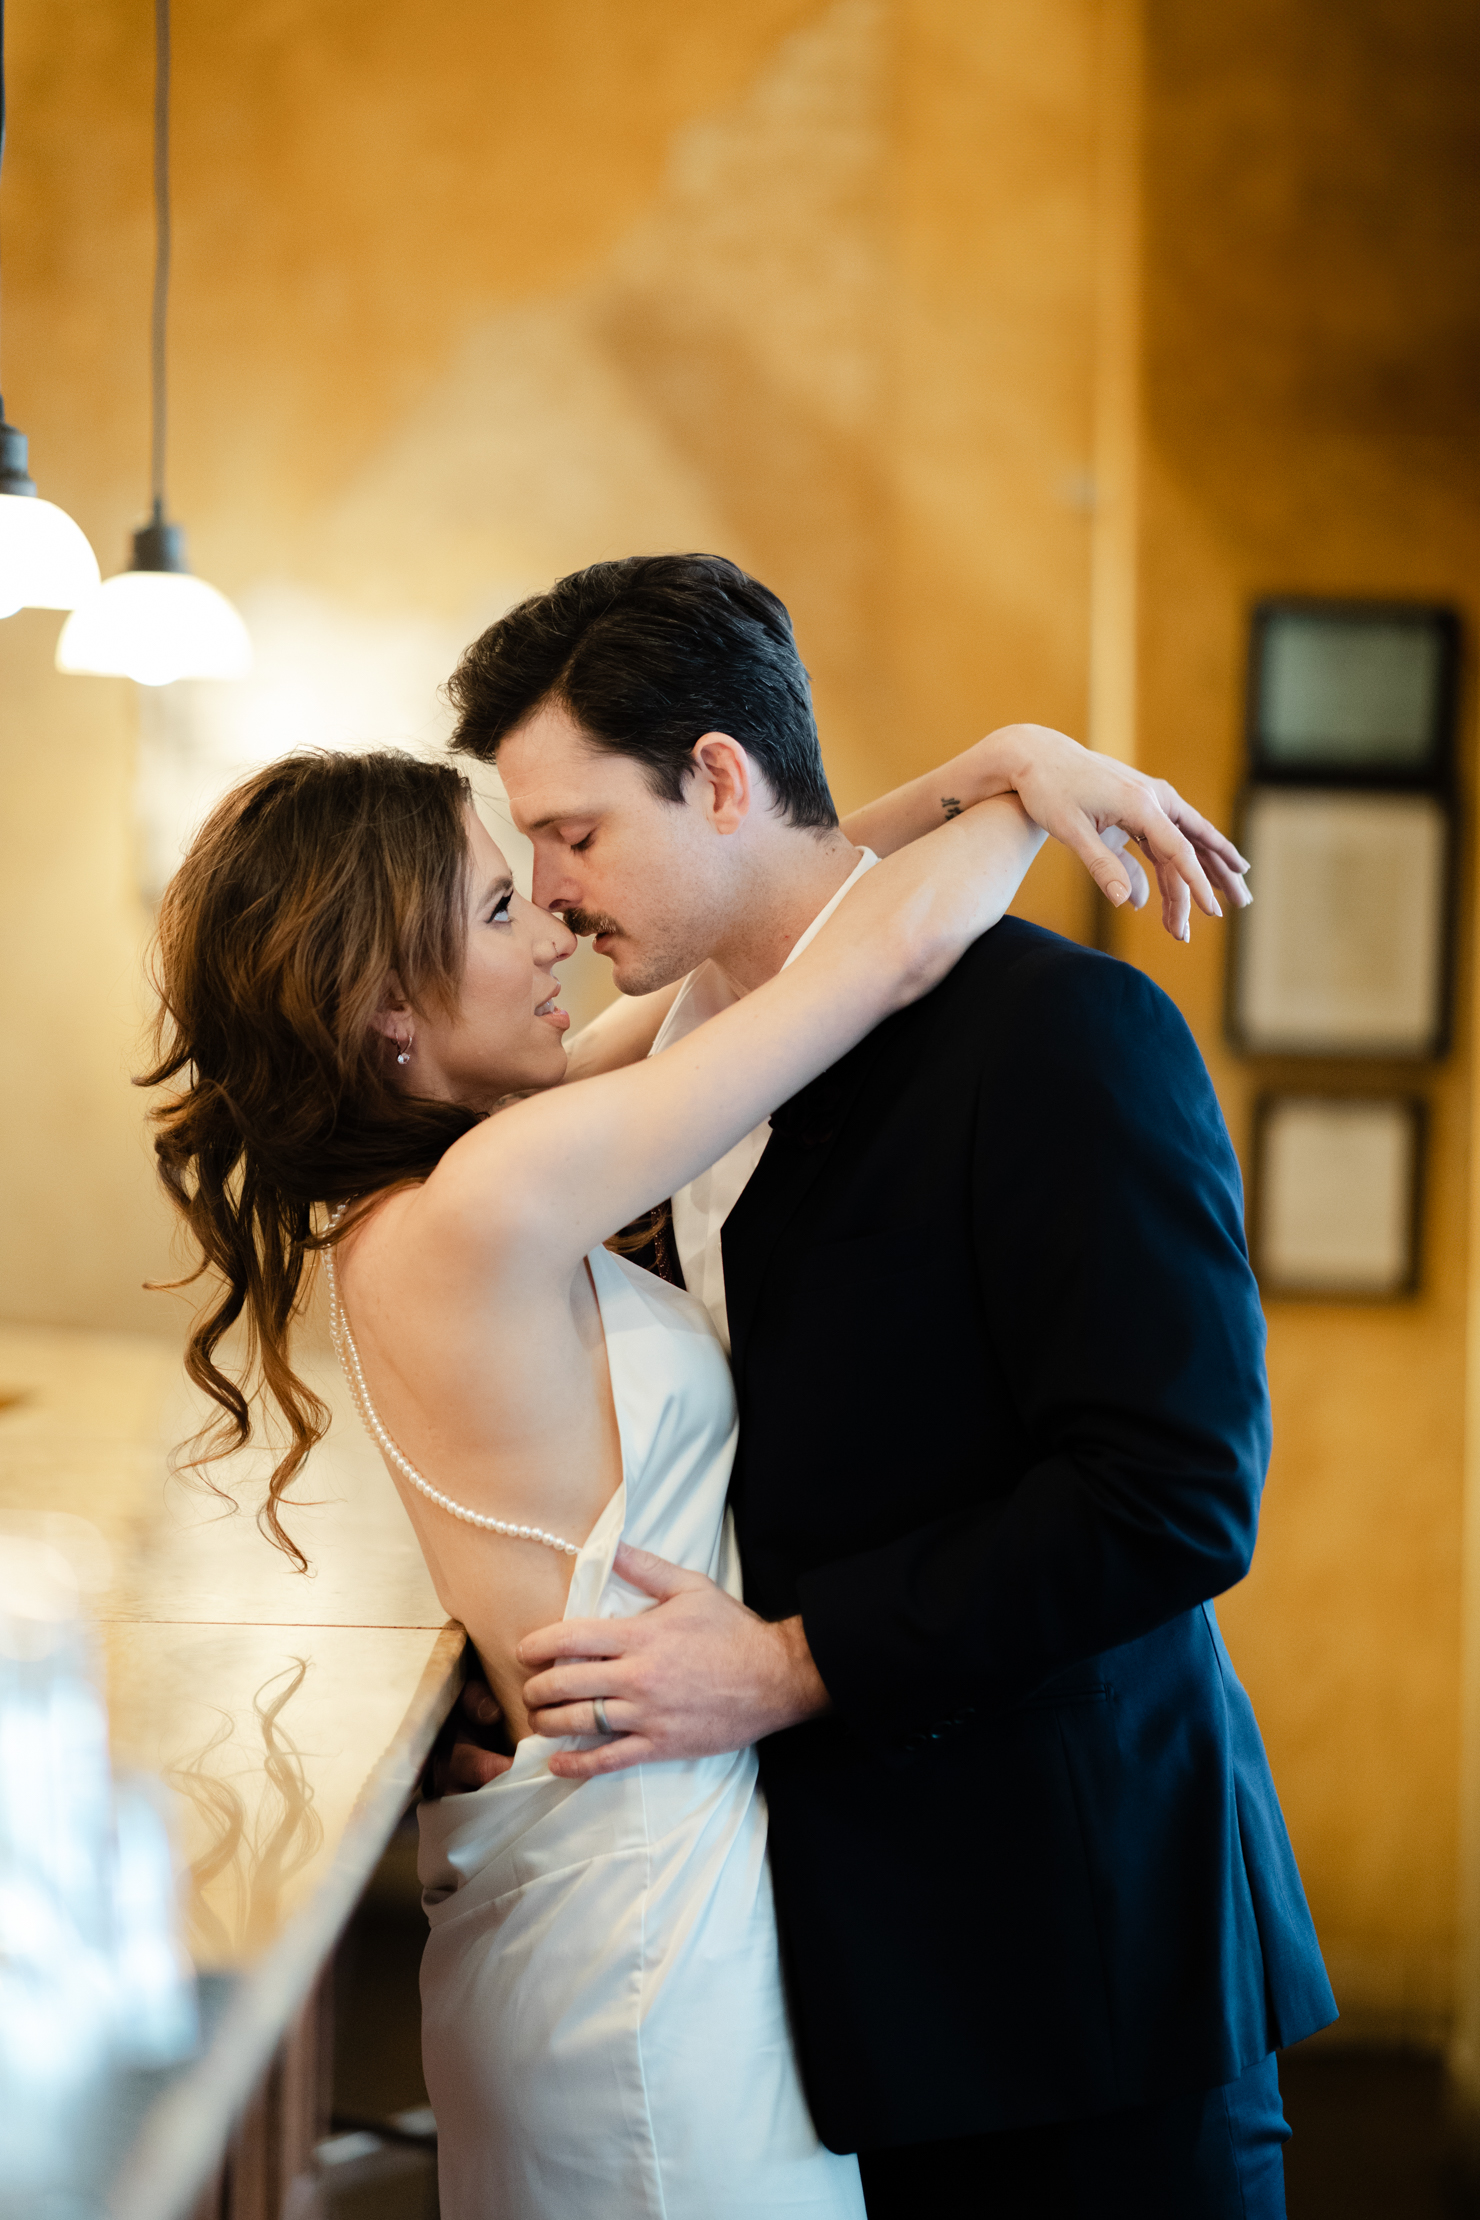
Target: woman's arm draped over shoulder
1089,802
549,1178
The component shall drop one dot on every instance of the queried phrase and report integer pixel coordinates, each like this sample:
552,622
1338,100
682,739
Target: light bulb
45,561
155,626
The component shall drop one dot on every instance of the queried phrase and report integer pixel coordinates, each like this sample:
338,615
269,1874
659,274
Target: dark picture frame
1349,692
1336,1200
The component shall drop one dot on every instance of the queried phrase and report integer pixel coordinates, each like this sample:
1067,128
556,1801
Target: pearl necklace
349,1359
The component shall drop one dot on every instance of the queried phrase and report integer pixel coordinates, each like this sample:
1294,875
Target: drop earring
403,1050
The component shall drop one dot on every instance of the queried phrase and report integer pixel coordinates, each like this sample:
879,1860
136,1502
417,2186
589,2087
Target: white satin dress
603,2027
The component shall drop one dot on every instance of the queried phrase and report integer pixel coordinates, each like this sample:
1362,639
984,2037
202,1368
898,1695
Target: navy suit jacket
1004,1428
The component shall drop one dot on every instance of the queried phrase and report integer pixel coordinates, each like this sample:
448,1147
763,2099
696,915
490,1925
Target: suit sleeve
1107,1226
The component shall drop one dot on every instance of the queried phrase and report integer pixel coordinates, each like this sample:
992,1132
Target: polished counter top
288,1715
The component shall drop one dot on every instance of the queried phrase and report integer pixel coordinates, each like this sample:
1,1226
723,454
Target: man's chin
634,972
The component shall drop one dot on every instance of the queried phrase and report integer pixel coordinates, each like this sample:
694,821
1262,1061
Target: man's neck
799,879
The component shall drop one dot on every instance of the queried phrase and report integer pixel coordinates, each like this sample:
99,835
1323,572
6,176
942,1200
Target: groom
1004,1429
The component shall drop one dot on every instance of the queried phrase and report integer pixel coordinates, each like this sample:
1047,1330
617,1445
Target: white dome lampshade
45,559
154,622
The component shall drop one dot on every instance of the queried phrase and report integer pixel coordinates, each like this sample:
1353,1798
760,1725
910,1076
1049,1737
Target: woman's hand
1091,803
1097,807
464,1755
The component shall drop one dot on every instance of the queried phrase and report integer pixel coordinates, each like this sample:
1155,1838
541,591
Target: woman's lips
550,1014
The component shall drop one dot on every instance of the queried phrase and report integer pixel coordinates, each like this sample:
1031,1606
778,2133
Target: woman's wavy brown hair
312,889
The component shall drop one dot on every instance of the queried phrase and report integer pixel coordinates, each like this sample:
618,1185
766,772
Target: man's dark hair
648,655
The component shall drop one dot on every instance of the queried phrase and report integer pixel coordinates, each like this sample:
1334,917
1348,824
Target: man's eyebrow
556,817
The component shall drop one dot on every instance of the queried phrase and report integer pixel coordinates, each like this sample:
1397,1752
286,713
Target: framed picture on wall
1353,691
1337,1189
1344,951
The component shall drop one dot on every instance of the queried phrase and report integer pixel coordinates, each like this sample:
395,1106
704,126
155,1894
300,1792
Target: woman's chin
488,1092
547,1068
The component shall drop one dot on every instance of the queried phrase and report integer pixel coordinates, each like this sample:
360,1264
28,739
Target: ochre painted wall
1312,424
468,296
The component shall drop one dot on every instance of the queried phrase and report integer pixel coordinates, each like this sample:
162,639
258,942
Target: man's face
642,875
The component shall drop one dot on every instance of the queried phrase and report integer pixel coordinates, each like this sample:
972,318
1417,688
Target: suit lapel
802,1135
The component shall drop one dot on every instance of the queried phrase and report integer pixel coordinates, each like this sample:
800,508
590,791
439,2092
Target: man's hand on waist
696,1675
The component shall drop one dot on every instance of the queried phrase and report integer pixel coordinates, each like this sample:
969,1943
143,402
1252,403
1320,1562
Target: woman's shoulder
426,1270
473,1219
411,1225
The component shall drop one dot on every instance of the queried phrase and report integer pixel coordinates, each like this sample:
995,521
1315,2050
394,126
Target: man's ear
724,782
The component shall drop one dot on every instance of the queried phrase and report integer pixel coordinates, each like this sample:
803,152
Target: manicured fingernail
1187,929
1217,907
1117,894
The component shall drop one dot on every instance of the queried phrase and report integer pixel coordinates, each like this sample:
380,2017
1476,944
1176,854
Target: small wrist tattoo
950,805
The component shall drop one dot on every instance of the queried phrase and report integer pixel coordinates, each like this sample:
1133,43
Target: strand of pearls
349,1360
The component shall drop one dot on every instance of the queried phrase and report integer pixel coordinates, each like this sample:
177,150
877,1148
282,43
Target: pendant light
154,622
45,561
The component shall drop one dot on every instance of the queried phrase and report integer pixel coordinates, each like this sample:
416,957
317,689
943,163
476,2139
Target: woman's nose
562,940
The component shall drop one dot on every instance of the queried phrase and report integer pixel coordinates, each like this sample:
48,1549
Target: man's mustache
587,923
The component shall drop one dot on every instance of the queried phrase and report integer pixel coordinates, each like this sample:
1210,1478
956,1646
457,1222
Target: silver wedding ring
603,1724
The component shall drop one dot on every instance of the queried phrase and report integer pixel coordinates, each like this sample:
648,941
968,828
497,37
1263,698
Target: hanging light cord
161,252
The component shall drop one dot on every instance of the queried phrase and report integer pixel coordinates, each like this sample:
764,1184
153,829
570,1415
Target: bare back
495,1385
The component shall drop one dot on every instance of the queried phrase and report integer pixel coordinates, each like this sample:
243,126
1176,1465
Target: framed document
1336,1201
1344,950
1362,692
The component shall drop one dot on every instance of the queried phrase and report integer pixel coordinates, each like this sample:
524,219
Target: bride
350,985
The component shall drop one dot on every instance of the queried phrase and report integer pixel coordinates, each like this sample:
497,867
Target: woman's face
506,1035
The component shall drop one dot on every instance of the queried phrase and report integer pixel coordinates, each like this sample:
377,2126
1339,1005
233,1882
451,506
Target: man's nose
553,883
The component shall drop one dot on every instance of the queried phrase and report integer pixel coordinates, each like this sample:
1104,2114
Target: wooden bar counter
287,1715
